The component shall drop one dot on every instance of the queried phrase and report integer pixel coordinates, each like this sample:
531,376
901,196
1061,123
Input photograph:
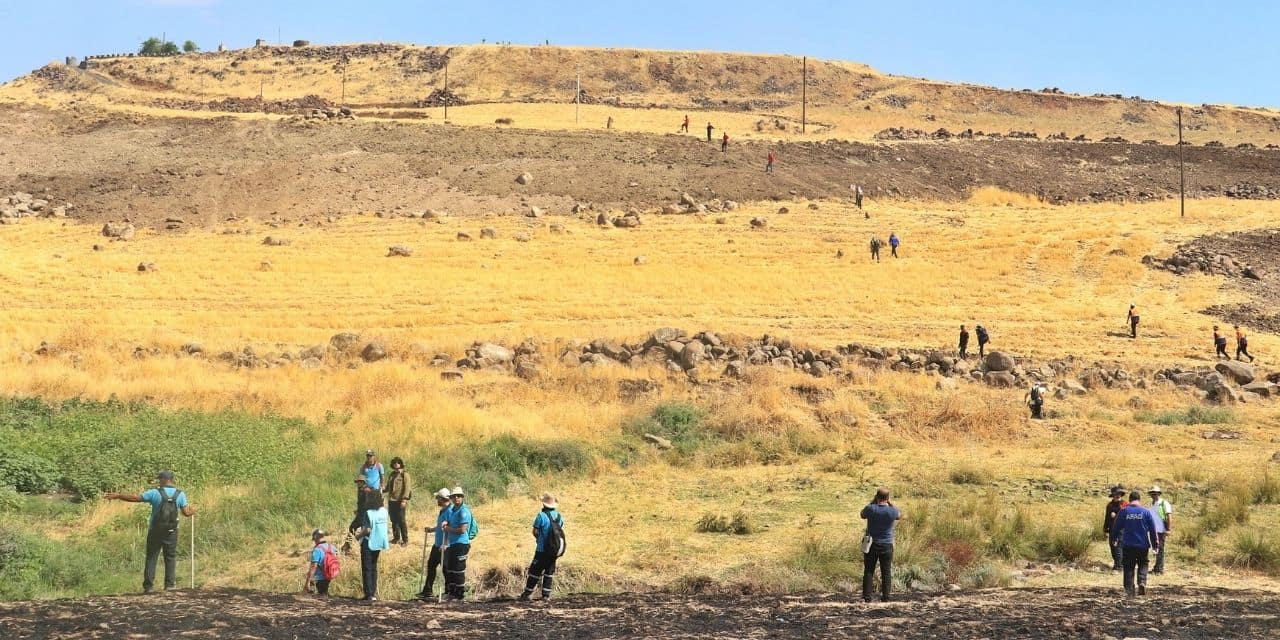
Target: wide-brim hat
549,500
1155,489
457,491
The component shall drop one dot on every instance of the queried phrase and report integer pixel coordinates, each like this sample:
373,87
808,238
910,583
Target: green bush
1255,549
1190,416
970,474
1062,544
26,472
738,524
684,425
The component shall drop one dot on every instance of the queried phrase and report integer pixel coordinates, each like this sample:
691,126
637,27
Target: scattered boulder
524,178
759,223
492,353
343,342
522,237
192,348
1237,372
313,351
399,250
276,241
1260,388
146,267
487,233
465,237
118,230
451,375
658,441
999,361
535,212
638,260
373,352
1000,379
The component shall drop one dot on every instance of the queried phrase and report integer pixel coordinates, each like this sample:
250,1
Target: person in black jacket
1113,507
983,339
964,342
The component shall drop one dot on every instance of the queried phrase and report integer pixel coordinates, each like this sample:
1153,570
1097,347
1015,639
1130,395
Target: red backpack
329,568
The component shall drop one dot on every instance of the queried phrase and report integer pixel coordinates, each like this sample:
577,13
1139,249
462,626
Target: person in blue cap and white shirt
547,552
1136,532
167,501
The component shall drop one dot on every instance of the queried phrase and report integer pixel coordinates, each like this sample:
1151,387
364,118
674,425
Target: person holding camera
877,544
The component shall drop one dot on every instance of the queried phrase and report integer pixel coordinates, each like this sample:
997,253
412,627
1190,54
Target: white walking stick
193,551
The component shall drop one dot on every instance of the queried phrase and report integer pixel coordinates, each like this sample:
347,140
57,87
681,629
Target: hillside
762,93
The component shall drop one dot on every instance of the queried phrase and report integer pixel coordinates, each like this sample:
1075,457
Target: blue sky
1222,52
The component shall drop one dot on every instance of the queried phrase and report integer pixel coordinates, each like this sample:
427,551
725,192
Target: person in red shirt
724,143
685,127
768,166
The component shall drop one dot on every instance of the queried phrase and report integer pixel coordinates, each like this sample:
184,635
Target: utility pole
279,36
445,97
1182,172
577,95
344,83
804,93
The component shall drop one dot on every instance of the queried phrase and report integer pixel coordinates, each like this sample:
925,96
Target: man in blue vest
545,526
458,530
166,501
433,560
1135,531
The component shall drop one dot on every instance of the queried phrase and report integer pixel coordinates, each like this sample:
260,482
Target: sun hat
1155,489
443,493
1117,490
549,500
457,491
368,452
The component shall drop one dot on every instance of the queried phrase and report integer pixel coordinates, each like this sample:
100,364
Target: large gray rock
524,178
343,342
120,230
1225,394
1238,372
373,352
313,351
692,354
400,250
1000,379
664,335
494,353
999,361
1260,389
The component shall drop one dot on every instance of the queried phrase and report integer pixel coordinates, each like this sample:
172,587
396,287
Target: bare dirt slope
1173,613
148,169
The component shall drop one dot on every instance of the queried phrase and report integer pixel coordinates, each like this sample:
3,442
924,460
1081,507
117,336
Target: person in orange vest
724,143
1133,321
685,127
768,165
1242,344
1220,343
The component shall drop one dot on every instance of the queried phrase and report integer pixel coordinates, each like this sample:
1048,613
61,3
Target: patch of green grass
1062,544
1255,549
1189,416
738,524
682,424
967,473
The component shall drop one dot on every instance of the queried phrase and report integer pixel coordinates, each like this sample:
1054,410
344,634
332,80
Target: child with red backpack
324,564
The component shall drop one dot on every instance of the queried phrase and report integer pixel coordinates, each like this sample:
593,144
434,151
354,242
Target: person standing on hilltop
893,244
1242,344
964,342
398,493
1134,532
768,162
877,544
857,198
1133,321
1114,506
724,142
167,503
685,127
983,339
709,130
1220,344
875,248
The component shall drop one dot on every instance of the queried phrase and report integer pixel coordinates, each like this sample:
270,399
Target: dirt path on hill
1170,613
148,169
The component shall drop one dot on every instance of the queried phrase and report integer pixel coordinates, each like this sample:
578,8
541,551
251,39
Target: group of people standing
877,244
1134,531
380,522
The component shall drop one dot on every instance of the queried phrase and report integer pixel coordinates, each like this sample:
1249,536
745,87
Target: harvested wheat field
702,361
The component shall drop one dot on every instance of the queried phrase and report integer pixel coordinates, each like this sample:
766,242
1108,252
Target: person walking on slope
1242,344
768,162
167,503
709,130
1114,506
877,544
433,560
685,127
1135,532
548,531
724,143
1035,399
1163,511
1133,321
875,249
459,528
983,339
857,198
1220,344
398,493
370,528
893,244
316,575
964,342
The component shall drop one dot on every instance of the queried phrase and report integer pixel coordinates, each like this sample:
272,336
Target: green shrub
684,425
1227,509
970,474
1267,489
1190,416
1255,549
25,471
738,524
1062,544
10,499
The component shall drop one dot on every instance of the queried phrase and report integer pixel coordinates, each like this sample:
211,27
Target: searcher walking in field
548,532
434,559
983,339
167,503
370,529
964,342
1163,511
1135,532
1220,344
1133,321
1242,344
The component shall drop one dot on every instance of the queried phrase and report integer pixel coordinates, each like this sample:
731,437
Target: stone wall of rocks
20,205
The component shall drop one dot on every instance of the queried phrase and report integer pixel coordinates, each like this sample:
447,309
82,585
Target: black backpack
167,515
555,538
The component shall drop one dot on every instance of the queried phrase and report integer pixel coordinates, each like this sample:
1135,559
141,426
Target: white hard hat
443,493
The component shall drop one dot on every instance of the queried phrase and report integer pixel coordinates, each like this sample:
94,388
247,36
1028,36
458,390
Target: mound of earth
147,170
1171,613
1247,260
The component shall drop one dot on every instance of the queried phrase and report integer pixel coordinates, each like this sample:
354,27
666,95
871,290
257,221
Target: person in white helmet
1163,512
437,547
459,529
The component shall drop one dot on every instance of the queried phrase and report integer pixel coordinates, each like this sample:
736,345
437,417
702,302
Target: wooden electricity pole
344,84
445,97
804,93
577,95
1182,172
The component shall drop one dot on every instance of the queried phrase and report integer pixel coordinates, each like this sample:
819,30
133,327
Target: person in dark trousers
724,143
709,130
1133,321
768,162
372,470
457,536
893,244
1242,344
877,545
1135,532
1114,506
685,127
1220,344
1163,511
875,249
964,342
370,529
547,552
398,493
857,199
1035,399
433,560
167,502
315,569
983,339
